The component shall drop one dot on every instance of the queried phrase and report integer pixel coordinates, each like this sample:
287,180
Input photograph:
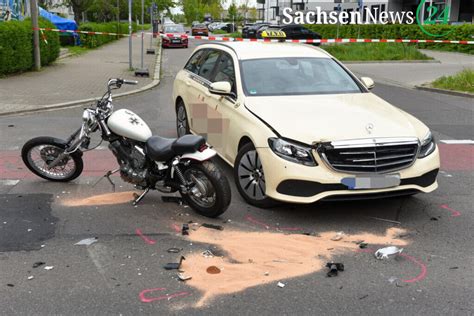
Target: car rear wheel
250,178
182,126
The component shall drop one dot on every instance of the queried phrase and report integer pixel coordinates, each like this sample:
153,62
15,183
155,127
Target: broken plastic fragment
334,268
49,267
31,277
184,277
38,264
185,229
212,226
174,250
363,245
281,284
207,254
338,236
384,253
87,241
174,265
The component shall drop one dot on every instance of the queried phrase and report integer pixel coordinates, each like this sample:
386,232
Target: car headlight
428,145
292,152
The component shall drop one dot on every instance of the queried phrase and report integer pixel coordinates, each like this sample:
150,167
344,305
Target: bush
92,41
404,31
374,51
463,81
16,46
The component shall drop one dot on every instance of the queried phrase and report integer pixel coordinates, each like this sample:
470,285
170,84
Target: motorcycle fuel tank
125,123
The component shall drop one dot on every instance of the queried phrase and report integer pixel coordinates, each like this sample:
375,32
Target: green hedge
92,41
16,46
393,31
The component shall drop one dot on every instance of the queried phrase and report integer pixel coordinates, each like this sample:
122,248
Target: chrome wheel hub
251,176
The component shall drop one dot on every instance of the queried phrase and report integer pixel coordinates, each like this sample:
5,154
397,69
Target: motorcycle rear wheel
210,195
37,152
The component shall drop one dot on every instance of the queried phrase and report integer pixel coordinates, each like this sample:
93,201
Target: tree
233,12
79,7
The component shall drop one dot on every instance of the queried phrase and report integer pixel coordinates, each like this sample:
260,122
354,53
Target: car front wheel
250,178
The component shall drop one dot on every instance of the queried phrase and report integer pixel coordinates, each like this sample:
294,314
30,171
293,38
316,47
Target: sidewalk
76,78
413,74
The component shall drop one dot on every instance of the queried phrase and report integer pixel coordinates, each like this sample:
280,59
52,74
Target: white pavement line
458,141
9,182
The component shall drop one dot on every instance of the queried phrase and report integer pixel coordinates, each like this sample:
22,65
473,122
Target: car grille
370,155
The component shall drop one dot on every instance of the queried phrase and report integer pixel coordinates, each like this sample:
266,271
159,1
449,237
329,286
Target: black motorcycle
148,162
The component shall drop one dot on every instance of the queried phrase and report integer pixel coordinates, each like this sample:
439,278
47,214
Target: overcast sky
252,3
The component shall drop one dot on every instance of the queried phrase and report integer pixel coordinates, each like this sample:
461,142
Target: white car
298,126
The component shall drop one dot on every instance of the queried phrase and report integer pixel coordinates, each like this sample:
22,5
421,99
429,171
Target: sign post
36,42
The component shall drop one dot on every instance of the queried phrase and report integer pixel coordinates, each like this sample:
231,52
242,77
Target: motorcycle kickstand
107,175
138,198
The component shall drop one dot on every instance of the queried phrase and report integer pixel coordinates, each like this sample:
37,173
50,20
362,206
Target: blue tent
61,23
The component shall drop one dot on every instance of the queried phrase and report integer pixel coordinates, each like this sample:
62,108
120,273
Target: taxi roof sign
273,34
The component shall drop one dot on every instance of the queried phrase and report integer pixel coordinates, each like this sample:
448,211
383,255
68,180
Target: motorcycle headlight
292,152
428,146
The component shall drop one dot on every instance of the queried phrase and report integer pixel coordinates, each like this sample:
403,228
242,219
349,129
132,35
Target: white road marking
9,182
458,141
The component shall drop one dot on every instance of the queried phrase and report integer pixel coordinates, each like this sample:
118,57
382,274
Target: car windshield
200,26
174,29
295,76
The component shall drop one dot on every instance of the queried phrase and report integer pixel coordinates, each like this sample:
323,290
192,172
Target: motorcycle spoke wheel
202,192
39,157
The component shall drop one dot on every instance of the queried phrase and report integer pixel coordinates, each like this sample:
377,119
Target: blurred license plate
371,181
176,41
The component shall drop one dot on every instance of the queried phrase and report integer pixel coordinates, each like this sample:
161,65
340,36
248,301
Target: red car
199,29
173,35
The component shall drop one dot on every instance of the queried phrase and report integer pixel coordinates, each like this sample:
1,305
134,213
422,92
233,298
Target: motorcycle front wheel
210,193
38,152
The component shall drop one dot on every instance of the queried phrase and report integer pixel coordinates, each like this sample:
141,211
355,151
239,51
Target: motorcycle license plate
371,181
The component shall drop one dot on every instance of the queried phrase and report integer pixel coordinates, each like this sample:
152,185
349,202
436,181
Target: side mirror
221,88
187,32
368,82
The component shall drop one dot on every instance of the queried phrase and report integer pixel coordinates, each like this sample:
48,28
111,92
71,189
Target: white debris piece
384,253
49,267
281,284
87,241
338,236
31,277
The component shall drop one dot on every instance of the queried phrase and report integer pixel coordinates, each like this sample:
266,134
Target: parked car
195,23
174,35
298,126
199,29
211,26
227,27
251,30
292,31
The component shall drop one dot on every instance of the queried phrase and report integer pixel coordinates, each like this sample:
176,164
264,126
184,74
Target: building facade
460,11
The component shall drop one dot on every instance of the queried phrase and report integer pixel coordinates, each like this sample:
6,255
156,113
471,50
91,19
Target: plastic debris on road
174,265
38,264
338,236
31,277
207,254
281,284
185,229
174,250
385,253
87,241
184,277
49,268
212,226
363,245
334,268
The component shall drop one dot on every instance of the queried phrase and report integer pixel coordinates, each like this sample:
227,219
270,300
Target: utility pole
36,42
130,65
118,17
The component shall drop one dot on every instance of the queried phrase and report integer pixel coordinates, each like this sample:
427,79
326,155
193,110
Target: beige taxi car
298,126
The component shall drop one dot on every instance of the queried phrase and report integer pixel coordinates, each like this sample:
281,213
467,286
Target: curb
71,104
428,61
443,91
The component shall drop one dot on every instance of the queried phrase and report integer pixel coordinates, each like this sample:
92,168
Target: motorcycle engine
132,162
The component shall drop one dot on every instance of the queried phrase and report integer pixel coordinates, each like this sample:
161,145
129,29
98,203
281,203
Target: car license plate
175,41
371,181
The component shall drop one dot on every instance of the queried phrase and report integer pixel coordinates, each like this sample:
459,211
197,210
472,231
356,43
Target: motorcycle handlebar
132,82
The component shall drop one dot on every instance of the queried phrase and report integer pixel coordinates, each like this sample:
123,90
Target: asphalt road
122,273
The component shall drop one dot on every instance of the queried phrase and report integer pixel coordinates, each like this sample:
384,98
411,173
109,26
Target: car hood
319,118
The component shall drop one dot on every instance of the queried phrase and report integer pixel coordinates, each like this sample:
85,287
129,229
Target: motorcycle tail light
203,147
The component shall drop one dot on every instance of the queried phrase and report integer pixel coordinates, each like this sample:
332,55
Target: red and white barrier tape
238,39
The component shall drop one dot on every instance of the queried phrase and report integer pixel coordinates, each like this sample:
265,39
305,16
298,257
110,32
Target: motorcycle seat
163,149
